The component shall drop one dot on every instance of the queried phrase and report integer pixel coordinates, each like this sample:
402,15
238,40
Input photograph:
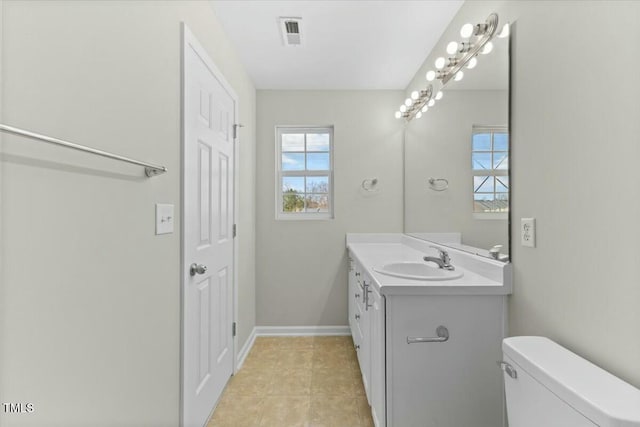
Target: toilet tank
547,385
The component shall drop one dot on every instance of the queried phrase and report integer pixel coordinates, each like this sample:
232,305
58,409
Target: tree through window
305,172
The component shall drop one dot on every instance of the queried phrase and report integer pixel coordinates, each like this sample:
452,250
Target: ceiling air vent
291,31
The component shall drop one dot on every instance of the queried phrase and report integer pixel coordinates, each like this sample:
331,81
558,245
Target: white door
208,199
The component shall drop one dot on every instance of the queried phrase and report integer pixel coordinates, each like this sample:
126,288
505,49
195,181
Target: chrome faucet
444,261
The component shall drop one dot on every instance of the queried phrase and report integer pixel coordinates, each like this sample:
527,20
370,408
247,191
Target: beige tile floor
296,381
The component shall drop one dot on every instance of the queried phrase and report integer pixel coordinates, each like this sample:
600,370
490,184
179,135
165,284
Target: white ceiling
347,44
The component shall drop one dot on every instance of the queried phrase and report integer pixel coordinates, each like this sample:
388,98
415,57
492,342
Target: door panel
208,194
223,201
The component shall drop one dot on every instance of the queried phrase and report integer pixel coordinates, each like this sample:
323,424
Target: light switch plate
528,232
164,218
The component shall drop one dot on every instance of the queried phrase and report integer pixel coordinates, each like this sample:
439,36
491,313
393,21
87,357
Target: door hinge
235,129
235,230
233,329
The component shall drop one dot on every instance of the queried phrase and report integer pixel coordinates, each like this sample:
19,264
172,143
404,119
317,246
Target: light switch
528,232
164,218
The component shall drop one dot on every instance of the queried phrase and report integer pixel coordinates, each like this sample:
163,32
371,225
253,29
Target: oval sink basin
418,271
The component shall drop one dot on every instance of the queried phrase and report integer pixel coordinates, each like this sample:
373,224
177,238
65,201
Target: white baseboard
246,348
302,330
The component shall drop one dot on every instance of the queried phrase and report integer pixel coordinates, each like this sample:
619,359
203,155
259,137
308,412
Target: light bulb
466,31
403,108
504,32
424,109
415,94
398,114
459,76
408,102
452,48
431,75
439,95
487,48
418,115
431,102
440,63
472,63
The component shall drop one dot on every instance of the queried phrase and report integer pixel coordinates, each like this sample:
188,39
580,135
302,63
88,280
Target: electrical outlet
528,232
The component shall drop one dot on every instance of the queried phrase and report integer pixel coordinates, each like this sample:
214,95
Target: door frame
189,41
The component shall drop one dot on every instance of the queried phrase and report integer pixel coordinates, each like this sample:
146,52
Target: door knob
197,269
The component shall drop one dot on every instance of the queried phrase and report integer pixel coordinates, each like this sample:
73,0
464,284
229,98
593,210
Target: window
304,176
490,166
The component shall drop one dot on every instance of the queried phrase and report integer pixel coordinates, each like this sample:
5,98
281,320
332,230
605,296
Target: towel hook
438,184
370,184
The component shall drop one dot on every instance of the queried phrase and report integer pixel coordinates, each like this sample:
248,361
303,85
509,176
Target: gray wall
439,145
90,297
301,265
575,127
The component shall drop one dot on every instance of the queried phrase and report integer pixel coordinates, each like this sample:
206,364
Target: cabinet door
377,359
352,291
452,383
364,354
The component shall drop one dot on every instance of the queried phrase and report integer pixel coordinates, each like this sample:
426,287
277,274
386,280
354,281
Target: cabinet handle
357,296
357,317
441,331
365,300
364,289
357,274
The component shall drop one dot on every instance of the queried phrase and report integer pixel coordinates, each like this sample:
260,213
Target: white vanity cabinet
359,320
444,383
415,373
377,381
366,319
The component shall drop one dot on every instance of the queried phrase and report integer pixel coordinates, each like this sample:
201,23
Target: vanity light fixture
477,40
504,32
418,106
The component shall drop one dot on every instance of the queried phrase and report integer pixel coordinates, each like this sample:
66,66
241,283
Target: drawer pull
441,332
357,317
357,296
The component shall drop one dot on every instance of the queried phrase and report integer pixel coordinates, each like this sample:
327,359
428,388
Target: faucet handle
444,255
495,251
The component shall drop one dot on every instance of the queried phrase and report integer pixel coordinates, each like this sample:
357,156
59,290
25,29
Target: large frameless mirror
457,161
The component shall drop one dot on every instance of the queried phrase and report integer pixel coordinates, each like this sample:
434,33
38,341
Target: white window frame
489,172
280,214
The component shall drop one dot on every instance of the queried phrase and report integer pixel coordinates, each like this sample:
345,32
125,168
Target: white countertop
482,276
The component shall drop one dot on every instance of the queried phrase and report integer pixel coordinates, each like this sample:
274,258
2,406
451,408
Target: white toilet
546,385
